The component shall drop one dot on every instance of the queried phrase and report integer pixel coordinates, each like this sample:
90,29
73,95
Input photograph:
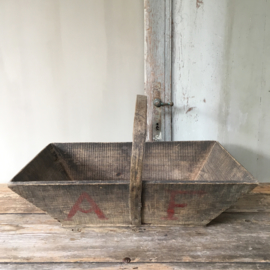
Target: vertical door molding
157,28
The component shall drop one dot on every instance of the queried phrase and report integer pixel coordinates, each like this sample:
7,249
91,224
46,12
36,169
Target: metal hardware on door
159,103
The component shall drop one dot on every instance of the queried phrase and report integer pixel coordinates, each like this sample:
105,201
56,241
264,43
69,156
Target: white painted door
220,76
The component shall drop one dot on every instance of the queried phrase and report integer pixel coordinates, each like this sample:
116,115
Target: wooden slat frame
158,21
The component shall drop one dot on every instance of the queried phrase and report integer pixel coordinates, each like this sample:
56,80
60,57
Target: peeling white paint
221,54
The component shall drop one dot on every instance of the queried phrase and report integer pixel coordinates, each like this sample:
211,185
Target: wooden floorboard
233,237
138,266
237,239
10,202
254,202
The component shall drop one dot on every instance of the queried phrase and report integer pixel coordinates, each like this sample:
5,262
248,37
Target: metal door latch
159,103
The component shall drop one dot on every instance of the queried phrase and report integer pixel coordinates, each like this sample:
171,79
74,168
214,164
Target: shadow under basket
183,183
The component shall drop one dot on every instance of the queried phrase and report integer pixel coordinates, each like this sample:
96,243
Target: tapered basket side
87,184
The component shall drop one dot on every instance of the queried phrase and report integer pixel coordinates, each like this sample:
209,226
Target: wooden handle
136,166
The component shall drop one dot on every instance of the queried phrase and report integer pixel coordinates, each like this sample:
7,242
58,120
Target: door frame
158,67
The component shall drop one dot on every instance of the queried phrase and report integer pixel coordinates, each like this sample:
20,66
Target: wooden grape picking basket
152,183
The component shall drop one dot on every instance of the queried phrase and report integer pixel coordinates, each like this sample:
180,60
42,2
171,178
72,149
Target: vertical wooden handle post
136,166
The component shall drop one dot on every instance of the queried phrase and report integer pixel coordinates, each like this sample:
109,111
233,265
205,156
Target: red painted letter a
94,208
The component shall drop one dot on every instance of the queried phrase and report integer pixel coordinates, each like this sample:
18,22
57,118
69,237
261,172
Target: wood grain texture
179,161
186,183
136,165
46,166
263,188
232,237
175,160
221,165
38,223
258,200
11,202
88,203
138,266
80,161
79,203
188,204
158,67
253,202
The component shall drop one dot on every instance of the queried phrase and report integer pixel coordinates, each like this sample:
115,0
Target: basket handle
136,166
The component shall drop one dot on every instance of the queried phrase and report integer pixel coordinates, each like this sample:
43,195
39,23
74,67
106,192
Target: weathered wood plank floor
237,239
